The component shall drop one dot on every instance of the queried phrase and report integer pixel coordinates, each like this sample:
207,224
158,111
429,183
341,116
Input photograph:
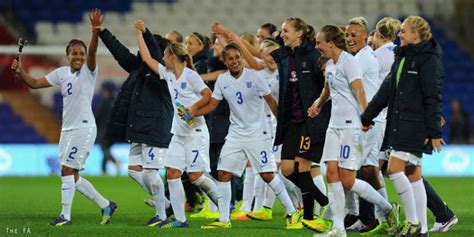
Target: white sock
259,192
352,203
421,202
157,189
336,204
279,189
378,212
270,197
67,195
225,192
138,177
212,207
318,180
382,181
405,191
247,195
367,192
177,198
88,190
208,186
293,191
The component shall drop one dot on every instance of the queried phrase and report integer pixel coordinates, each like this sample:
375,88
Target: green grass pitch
27,204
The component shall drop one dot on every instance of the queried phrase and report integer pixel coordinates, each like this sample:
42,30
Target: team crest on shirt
249,84
183,85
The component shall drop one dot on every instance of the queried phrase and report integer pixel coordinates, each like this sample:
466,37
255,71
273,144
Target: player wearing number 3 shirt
247,140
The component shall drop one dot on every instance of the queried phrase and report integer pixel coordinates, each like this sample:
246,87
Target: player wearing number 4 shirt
247,140
77,82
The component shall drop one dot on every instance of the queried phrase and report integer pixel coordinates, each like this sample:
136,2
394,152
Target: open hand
97,19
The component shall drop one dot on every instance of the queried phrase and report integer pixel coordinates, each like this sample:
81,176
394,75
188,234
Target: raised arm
152,63
96,19
211,76
29,80
153,46
127,60
220,29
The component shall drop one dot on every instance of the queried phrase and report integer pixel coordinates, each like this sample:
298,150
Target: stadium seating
54,26
14,130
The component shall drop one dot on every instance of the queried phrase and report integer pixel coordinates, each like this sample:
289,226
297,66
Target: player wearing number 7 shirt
189,147
77,82
247,140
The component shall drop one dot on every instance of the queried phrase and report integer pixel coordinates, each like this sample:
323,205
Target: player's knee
287,169
347,183
173,173
267,177
224,176
332,172
135,167
194,176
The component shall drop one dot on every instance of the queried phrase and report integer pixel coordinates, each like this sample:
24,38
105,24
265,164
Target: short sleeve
54,77
163,72
217,93
196,82
352,70
261,84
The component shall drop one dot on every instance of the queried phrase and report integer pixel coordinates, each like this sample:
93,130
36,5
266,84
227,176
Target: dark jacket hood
430,46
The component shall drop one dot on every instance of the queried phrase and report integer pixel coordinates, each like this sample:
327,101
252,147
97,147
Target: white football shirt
370,73
345,111
77,90
385,56
244,95
186,90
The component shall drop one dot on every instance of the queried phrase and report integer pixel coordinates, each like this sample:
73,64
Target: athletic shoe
108,212
444,226
293,222
349,220
393,216
172,224
356,227
262,214
239,216
154,221
205,213
60,221
319,225
334,232
381,229
217,225
409,230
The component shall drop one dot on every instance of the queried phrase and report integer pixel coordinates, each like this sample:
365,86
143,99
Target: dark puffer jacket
142,112
414,106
